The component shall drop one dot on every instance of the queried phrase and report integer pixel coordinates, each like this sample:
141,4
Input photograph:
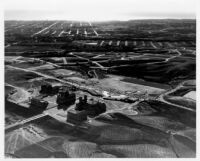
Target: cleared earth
143,70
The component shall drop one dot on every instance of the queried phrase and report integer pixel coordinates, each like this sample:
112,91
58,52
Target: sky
98,10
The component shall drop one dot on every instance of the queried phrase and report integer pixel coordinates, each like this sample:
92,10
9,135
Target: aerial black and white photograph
99,79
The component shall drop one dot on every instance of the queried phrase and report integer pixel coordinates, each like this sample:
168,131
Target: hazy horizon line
100,20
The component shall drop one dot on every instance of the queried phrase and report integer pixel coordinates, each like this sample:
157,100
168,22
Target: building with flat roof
75,116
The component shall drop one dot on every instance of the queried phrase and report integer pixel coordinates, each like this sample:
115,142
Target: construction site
118,89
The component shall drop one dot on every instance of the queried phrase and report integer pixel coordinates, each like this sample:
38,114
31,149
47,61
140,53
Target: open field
108,140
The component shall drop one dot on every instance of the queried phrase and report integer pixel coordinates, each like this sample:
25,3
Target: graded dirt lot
191,95
117,82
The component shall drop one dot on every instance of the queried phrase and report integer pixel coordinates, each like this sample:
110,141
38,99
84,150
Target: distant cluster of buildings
84,108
